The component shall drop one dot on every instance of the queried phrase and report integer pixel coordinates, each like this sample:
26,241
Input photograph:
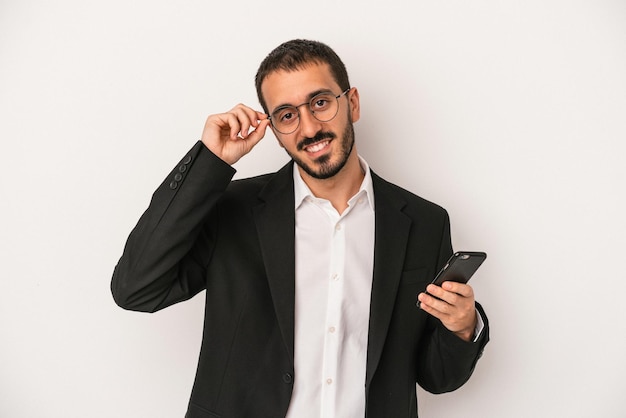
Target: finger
462,289
247,117
448,291
225,122
258,133
234,125
434,304
436,291
258,125
240,125
451,298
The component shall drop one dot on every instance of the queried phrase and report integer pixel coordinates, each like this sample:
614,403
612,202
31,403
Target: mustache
320,136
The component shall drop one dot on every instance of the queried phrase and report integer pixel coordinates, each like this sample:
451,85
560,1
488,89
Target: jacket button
187,160
173,185
178,177
182,168
287,378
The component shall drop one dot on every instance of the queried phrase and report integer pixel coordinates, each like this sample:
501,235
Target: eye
286,115
321,102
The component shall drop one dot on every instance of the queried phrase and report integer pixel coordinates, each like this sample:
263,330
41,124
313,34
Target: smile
317,147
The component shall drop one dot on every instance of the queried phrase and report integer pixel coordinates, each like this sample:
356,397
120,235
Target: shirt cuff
480,325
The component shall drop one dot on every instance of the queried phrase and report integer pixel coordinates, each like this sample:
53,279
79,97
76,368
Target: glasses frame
309,102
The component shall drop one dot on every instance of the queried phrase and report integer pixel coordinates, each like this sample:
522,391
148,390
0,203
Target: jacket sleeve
447,361
159,265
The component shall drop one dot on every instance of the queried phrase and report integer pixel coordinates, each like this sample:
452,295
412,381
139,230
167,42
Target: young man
311,273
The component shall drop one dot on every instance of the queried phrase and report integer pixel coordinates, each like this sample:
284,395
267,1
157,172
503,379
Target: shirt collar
302,191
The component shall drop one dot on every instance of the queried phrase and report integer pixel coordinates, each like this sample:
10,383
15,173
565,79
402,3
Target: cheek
276,136
279,141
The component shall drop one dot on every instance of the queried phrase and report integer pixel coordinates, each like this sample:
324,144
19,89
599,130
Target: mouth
316,144
317,147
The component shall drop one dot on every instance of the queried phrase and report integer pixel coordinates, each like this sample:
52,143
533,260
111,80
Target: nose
309,125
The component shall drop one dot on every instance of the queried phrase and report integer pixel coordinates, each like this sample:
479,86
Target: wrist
465,335
469,333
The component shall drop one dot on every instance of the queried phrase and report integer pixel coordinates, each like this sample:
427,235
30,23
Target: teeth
317,147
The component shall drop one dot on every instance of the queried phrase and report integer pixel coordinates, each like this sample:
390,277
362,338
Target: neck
339,188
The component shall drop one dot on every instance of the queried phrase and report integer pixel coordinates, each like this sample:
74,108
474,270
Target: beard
324,168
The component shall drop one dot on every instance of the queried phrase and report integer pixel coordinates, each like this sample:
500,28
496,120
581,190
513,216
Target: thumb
257,134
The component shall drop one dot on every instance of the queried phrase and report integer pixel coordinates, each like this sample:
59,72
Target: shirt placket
333,316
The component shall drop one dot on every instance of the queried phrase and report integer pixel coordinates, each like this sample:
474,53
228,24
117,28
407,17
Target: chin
324,167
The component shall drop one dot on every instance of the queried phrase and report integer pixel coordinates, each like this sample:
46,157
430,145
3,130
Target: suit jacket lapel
275,222
392,232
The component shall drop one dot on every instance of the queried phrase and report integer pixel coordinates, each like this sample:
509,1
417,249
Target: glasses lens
324,106
285,119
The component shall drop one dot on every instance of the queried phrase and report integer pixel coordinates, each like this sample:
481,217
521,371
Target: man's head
304,87
296,54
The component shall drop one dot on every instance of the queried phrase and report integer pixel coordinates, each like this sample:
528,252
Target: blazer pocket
417,275
196,411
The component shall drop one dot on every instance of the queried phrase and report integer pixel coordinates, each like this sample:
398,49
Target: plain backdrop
510,114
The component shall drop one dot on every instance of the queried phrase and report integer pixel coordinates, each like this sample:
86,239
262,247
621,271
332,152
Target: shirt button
329,381
331,330
335,277
338,227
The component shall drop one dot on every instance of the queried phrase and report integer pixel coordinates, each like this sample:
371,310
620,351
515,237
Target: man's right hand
233,134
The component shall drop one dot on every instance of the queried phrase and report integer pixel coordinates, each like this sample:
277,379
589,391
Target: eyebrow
309,97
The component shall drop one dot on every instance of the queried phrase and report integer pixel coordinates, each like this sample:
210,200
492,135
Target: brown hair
296,54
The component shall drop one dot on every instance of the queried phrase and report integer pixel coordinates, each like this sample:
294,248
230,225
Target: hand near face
233,134
455,310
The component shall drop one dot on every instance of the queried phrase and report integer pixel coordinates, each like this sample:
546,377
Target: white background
510,114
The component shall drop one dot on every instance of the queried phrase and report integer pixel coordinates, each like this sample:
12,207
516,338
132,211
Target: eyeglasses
324,107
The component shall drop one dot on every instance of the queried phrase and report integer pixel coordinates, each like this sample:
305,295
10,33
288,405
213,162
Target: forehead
294,87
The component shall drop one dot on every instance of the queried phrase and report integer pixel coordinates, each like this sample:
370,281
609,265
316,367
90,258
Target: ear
355,105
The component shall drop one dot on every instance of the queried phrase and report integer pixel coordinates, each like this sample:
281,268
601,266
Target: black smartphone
460,267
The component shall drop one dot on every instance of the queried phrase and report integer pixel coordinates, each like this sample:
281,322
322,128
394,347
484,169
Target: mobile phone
460,267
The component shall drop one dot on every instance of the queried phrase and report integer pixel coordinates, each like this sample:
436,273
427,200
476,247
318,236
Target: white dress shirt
334,267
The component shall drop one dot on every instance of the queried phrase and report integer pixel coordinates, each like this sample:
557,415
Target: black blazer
236,240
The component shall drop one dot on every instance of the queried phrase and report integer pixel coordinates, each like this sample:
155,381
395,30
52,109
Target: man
311,273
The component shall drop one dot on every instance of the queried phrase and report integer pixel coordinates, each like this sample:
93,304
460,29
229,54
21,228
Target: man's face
321,149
